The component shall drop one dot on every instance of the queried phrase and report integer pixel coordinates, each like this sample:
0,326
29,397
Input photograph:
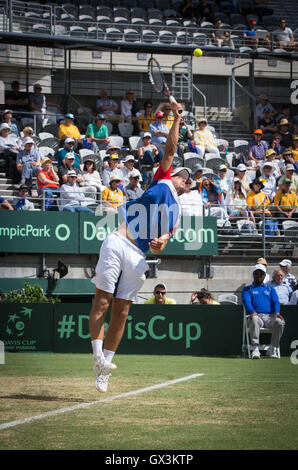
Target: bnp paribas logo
17,322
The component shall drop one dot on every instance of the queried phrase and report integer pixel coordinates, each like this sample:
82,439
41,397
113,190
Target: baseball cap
4,125
24,187
222,167
285,262
260,267
159,114
70,156
71,173
7,111
185,172
147,134
69,115
268,164
261,261
128,158
161,284
114,156
68,140
101,117
241,167
28,140
253,21
290,167
258,131
115,177
45,159
134,173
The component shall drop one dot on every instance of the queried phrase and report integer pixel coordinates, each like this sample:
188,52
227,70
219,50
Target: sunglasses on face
159,292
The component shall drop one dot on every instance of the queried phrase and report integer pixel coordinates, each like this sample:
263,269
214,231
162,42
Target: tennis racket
157,79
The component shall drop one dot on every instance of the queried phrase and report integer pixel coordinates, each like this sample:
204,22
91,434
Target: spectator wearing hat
68,147
168,117
224,182
204,297
204,139
270,157
290,175
257,199
98,133
146,118
129,162
22,202
7,117
288,159
286,266
283,290
257,148
72,198
160,296
69,129
242,176
17,101
276,144
249,34
285,201
185,136
284,130
294,147
262,261
27,132
9,149
148,153
4,204
267,124
48,182
28,162
111,170
66,166
269,180
286,113
159,132
263,311
38,104
284,35
262,105
191,201
133,190
197,174
112,196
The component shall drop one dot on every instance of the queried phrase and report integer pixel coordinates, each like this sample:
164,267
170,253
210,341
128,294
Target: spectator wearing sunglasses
160,296
146,118
133,190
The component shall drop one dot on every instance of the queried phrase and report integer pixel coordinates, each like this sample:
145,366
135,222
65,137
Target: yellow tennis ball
197,52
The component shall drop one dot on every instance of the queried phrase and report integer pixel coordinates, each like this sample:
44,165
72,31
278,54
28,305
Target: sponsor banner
39,232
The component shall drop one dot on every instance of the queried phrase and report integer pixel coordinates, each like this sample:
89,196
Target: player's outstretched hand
175,107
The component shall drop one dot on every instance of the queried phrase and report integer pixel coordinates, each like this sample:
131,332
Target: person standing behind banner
160,296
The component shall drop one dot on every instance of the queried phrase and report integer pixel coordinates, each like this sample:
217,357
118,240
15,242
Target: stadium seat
77,31
103,19
150,36
114,34
228,299
51,142
131,35
134,140
166,37
191,159
125,129
200,39
116,140
45,151
121,12
138,21
214,163
85,153
138,12
290,229
86,20
45,135
95,32
105,10
40,29
246,337
240,145
170,13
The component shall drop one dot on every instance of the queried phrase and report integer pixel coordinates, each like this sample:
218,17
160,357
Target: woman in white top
236,200
204,139
92,181
191,201
27,132
270,181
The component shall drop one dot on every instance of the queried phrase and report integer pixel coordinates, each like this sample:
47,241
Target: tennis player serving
145,223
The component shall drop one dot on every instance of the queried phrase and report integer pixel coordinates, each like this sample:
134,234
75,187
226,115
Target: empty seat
114,34
122,12
131,35
149,36
167,37
77,31
200,39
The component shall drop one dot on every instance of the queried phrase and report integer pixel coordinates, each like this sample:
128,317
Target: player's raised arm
172,139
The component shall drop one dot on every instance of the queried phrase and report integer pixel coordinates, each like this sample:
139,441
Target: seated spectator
204,297
98,133
147,152
133,190
159,132
224,183
168,117
7,117
242,176
190,201
69,129
112,196
236,200
257,148
108,107
294,298
268,180
287,159
68,147
17,101
146,118
197,174
28,162
284,130
72,197
185,136
21,202
289,175
48,183
276,144
249,34
284,35
38,105
270,158
282,289
91,179
263,311
27,132
4,204
268,125
160,296
213,199
112,169
294,147
286,113
129,107
286,266
204,139
219,36
66,167
285,201
9,149
257,199
129,162
262,105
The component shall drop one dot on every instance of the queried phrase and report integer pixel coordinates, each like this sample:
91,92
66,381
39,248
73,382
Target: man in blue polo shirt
263,310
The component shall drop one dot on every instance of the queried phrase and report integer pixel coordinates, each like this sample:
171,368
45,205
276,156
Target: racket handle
172,99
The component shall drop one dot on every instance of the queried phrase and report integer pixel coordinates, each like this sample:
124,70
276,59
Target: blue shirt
261,299
158,127
283,291
24,157
61,155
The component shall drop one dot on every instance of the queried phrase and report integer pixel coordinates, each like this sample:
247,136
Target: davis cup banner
61,232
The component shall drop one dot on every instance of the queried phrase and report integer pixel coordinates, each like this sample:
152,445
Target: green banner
27,327
39,232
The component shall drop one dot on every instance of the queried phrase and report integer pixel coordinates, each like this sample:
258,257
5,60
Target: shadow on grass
22,396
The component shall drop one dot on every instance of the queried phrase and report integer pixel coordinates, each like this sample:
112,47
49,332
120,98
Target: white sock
97,347
108,355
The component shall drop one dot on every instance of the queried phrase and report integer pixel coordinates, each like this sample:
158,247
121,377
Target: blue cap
101,116
69,115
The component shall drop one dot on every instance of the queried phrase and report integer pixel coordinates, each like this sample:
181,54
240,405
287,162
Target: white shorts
121,267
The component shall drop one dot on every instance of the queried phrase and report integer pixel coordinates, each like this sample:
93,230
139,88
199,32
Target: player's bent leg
99,309
119,313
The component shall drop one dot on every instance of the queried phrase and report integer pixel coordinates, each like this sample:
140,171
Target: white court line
48,414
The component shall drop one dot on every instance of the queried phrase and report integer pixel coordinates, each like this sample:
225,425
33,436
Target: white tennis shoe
102,371
101,382
255,353
272,352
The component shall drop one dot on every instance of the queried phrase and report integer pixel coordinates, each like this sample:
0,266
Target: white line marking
104,400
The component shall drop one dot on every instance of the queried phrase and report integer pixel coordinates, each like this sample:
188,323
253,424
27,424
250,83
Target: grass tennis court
237,403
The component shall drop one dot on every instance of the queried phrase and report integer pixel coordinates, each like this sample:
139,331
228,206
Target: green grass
237,403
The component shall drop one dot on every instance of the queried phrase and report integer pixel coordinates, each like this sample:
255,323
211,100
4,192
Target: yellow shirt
114,197
71,131
168,121
204,138
257,200
167,301
212,302
287,200
295,153
145,121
